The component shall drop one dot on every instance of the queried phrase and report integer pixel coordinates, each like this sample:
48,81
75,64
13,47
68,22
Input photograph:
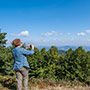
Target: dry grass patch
46,84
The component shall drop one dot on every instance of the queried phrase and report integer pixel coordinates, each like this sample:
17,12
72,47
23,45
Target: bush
75,65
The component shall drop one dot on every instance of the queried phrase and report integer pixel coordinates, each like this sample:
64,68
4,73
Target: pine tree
2,39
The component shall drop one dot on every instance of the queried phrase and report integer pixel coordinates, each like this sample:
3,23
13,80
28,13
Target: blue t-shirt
20,59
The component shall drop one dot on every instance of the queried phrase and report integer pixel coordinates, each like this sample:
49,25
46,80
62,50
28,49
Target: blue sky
46,22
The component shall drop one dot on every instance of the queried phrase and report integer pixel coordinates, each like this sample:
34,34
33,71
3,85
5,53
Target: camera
30,46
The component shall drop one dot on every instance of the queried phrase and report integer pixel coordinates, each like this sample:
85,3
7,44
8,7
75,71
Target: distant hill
65,48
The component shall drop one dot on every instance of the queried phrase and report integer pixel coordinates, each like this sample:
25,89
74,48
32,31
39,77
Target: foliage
49,64
2,38
6,61
61,52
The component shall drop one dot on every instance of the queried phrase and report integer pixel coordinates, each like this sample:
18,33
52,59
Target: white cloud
68,33
54,39
88,40
72,39
81,34
52,33
43,41
88,31
50,40
23,33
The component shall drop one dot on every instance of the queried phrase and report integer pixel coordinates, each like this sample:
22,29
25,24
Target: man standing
21,65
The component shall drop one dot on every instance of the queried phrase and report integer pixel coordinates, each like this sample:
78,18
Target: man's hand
30,47
33,47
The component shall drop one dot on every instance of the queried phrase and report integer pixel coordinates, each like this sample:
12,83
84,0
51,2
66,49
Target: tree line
73,65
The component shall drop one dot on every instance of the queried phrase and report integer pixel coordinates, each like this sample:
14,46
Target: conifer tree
2,39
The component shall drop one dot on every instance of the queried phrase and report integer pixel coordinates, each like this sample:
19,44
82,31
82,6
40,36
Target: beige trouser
19,73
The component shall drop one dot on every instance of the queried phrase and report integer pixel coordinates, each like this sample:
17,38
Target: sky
46,22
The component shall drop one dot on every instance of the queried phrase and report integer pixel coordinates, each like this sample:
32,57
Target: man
21,65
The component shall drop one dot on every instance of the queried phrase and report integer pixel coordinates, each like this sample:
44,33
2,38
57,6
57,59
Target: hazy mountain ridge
65,48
